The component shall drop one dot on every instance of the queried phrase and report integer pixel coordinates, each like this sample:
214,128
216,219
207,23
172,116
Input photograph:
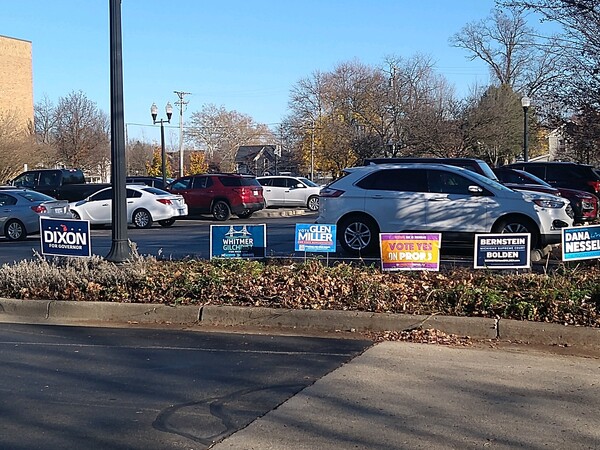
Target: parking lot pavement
407,396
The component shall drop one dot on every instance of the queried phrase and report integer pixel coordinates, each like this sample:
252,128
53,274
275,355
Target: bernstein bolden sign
502,251
410,251
581,243
60,237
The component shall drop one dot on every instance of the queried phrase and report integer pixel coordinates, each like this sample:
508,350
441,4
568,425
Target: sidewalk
410,396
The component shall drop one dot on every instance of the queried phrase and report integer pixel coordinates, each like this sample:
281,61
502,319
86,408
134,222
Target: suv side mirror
474,189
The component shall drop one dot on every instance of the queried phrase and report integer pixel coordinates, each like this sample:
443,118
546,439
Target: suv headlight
547,203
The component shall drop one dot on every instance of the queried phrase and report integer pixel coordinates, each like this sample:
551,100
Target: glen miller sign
62,237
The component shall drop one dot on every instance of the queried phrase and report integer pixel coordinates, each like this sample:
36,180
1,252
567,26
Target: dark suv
564,174
220,194
475,165
156,182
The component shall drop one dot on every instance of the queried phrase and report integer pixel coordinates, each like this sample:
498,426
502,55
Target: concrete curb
65,312
282,212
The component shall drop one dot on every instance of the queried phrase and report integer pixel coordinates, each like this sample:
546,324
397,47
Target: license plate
182,212
255,193
59,210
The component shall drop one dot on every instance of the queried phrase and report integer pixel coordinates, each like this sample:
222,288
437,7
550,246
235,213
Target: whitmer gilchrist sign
238,241
581,243
62,237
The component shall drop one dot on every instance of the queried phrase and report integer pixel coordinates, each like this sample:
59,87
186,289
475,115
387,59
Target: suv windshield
488,181
307,182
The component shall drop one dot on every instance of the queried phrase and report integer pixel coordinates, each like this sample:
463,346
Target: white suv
438,198
290,191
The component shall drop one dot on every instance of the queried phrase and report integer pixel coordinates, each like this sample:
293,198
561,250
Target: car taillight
330,193
595,185
39,209
164,201
246,192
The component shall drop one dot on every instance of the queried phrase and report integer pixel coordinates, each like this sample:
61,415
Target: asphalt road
186,238
103,388
190,238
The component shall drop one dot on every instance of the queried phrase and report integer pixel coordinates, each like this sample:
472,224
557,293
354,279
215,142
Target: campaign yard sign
502,251
238,241
581,243
315,238
410,251
60,237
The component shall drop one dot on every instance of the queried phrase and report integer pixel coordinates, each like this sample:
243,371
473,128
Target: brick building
16,79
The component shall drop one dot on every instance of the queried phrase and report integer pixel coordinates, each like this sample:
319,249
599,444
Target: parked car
290,191
584,204
20,211
563,174
476,165
220,194
145,205
456,202
156,182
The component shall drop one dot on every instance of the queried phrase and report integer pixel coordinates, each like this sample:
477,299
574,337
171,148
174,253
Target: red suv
220,194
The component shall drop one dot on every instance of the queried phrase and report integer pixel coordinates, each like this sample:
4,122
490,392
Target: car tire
518,225
359,235
141,218
244,215
221,210
14,230
166,222
313,203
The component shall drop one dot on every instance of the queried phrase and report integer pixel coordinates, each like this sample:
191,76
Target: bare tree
572,103
219,133
510,48
81,133
139,154
357,111
17,146
493,125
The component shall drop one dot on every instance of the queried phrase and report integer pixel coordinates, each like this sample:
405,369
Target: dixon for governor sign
62,237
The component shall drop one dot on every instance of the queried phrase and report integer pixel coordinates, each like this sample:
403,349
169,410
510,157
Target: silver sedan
21,209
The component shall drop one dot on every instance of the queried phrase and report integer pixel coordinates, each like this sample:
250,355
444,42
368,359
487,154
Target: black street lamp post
525,103
120,250
163,155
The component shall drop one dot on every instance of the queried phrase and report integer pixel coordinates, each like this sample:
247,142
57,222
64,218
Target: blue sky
242,55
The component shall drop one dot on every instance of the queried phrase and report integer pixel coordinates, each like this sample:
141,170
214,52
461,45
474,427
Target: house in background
257,160
556,143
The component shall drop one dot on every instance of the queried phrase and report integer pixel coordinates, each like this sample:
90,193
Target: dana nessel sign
60,237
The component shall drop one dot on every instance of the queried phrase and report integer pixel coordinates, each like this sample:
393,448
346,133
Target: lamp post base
120,251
